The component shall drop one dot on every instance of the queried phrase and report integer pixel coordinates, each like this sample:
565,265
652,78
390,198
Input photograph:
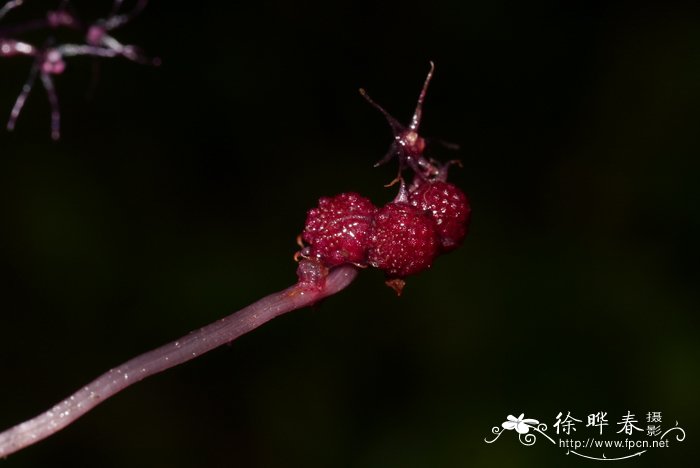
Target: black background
176,194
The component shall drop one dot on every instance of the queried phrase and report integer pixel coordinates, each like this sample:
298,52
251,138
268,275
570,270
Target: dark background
176,194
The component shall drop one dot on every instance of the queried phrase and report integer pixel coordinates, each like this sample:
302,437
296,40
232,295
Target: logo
622,439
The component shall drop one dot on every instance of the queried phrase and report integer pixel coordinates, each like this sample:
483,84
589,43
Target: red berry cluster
427,218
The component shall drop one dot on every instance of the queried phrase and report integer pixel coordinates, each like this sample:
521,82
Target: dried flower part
408,146
338,230
448,206
404,240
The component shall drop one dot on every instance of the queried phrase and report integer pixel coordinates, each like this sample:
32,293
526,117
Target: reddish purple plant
427,218
49,58
404,241
448,206
338,231
344,233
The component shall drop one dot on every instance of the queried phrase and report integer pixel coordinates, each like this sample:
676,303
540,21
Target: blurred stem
197,342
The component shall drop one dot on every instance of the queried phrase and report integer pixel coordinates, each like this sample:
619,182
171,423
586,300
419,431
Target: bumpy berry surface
338,230
404,240
448,206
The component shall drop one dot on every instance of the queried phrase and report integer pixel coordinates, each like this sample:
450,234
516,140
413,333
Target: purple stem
197,342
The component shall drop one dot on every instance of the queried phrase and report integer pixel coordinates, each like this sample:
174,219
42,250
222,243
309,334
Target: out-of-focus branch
98,38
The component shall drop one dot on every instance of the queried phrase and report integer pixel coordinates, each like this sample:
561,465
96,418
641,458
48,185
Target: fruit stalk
315,283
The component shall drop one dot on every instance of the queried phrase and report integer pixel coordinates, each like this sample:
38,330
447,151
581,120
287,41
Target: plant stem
188,347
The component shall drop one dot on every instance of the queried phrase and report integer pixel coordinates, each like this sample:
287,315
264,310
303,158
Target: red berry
338,231
448,206
404,240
